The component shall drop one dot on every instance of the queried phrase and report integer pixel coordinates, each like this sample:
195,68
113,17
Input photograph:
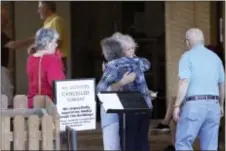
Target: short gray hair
126,40
44,36
194,36
111,48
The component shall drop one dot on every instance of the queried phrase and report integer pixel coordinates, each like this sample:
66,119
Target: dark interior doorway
93,21
220,30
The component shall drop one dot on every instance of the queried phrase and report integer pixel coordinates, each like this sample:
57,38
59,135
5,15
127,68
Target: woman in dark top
4,50
6,87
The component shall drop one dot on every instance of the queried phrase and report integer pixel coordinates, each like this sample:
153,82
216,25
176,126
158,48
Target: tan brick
179,17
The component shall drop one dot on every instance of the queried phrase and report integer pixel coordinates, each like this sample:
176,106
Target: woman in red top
44,65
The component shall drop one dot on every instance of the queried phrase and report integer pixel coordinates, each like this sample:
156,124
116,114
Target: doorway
217,28
144,21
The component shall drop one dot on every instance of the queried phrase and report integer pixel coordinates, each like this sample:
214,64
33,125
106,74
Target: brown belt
202,97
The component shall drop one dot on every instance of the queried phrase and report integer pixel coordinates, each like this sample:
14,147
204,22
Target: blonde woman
129,47
114,72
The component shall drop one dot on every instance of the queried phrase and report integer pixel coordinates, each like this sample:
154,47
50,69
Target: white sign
110,101
76,104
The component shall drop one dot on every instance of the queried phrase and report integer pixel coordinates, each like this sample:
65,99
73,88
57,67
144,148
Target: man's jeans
111,138
198,118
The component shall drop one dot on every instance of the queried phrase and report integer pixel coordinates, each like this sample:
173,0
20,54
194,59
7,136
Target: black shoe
170,148
162,127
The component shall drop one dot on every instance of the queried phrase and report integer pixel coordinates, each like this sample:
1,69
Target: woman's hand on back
128,78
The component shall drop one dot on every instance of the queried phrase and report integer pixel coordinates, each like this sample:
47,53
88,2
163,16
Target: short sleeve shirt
57,23
204,70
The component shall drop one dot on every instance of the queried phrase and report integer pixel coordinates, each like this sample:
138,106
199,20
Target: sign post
75,101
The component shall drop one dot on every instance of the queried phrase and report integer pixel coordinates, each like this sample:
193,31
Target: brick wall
224,25
179,17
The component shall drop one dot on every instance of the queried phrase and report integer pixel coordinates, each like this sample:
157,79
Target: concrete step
98,136
156,143
92,140
98,129
95,142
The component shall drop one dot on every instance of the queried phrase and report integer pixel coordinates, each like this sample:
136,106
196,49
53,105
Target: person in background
168,124
199,104
136,122
139,123
110,122
6,85
129,48
112,129
47,12
44,65
111,138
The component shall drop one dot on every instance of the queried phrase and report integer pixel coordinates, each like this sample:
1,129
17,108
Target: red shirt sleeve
55,70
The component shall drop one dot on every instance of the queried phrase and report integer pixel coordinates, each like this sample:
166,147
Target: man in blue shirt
138,125
200,99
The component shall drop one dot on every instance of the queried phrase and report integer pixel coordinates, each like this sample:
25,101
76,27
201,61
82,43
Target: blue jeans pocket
192,116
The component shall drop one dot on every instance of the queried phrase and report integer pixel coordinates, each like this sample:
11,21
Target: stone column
179,17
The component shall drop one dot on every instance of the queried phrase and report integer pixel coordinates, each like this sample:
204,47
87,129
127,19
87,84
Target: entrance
93,21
